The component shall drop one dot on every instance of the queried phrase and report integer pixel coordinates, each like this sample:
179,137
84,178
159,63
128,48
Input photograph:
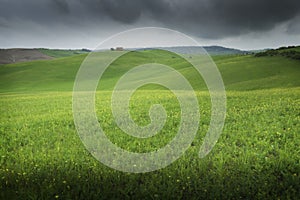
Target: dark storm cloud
203,18
125,11
61,5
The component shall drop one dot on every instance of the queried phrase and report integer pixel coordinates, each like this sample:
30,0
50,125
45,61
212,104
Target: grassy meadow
257,155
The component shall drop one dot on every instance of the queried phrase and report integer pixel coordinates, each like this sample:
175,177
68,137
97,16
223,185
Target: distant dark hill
212,50
218,50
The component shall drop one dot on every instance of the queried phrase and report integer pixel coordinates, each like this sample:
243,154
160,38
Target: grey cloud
294,26
202,18
219,18
61,5
128,11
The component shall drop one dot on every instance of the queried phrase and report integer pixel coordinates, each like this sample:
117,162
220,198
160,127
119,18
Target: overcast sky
244,24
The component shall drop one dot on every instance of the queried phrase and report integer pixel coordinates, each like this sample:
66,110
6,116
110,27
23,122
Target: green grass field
257,155
59,53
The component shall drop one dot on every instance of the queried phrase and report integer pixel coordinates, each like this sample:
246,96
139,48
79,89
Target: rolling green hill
59,53
239,72
256,157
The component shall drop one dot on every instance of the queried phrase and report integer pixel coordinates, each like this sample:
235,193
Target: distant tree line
288,52
86,50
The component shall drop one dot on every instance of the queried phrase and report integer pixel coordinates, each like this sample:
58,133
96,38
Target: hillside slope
239,72
59,53
292,52
211,50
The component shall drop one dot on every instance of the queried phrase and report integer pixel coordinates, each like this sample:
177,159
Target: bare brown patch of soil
8,56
